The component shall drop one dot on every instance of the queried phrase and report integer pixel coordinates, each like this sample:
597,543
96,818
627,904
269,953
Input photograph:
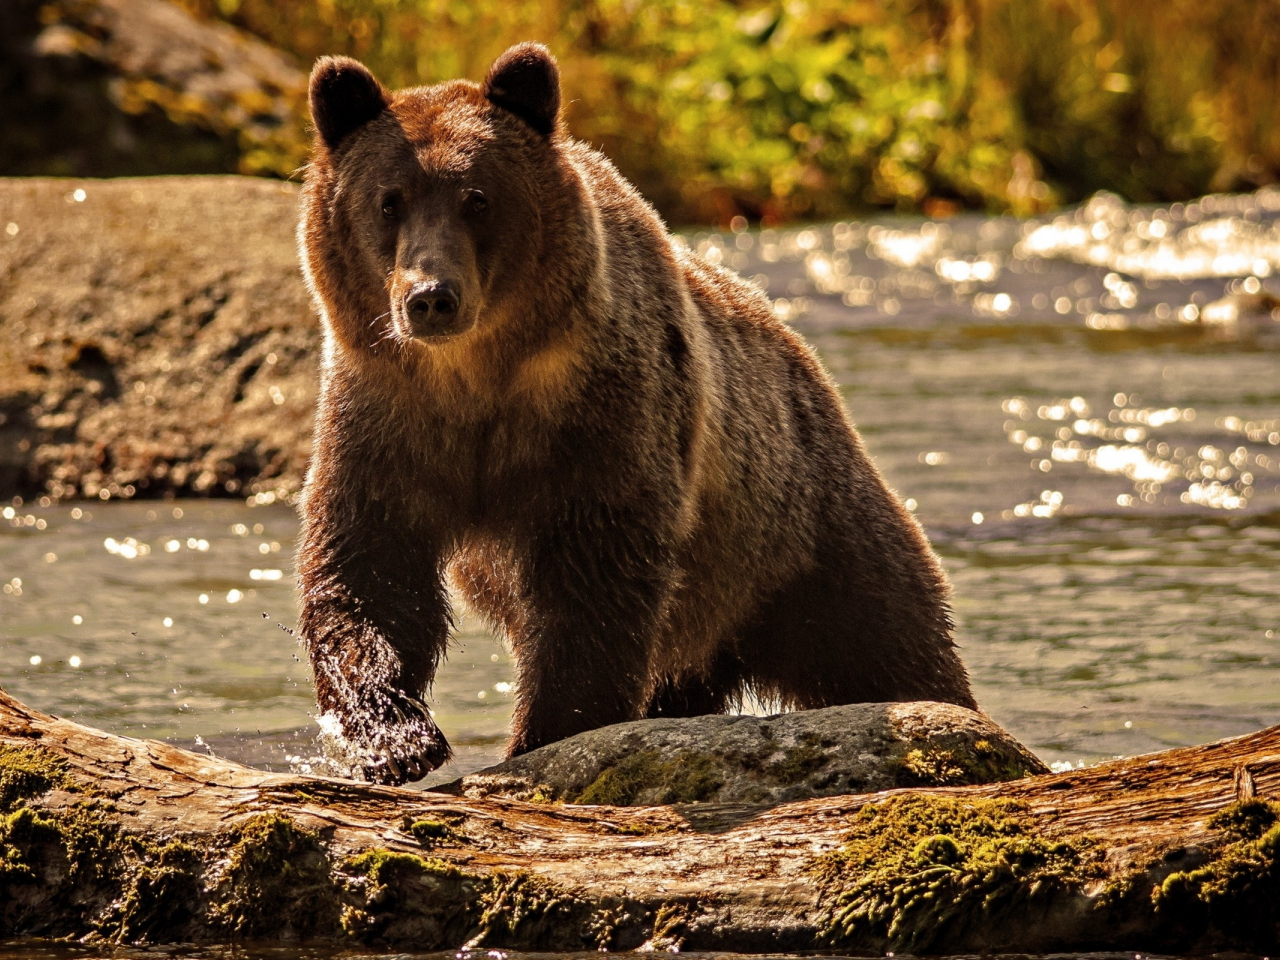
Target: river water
1088,430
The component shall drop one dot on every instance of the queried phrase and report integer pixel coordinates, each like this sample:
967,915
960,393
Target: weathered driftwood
111,837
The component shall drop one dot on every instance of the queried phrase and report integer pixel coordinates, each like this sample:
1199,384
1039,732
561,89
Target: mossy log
131,840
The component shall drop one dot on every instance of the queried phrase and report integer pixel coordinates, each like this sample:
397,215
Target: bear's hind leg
828,639
699,694
595,590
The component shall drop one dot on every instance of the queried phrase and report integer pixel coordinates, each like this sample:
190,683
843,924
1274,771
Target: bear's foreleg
597,585
375,621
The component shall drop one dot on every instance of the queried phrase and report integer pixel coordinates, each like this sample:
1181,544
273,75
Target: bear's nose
434,300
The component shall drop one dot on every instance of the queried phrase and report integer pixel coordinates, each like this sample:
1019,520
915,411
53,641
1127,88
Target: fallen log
106,837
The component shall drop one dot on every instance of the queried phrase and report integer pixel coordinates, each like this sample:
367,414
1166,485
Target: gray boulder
858,748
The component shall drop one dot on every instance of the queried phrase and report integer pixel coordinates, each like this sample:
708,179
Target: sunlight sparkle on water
1143,243
129,548
1215,478
908,248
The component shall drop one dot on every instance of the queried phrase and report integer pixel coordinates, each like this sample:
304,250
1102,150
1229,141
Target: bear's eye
476,201
391,206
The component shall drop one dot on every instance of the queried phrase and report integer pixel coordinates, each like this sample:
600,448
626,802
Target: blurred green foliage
814,108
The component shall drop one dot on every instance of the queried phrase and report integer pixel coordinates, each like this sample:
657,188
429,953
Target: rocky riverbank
156,338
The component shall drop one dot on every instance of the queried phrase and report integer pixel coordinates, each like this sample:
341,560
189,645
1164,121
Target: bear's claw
401,746
404,764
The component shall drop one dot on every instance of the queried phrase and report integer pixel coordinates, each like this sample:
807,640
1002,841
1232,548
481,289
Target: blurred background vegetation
819,108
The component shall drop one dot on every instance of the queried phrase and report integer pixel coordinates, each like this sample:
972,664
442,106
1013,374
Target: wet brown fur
627,465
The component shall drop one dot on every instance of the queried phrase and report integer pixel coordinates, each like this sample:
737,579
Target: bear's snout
433,308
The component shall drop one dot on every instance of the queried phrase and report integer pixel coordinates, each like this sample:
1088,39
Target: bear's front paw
396,743
407,747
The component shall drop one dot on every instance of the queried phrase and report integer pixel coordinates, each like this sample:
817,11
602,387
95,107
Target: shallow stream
1088,430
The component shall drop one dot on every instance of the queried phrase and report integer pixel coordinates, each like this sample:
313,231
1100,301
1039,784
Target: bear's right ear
344,97
526,81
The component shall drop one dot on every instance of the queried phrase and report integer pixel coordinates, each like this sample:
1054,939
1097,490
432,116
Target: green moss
618,785
425,831
71,862
161,894
800,761
431,833
933,766
989,763
91,842
1246,820
670,923
961,764
640,829
276,879
382,866
20,832
645,778
75,846
27,772
405,898
433,904
918,872
1237,893
524,909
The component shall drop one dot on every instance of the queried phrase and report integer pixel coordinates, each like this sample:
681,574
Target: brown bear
610,447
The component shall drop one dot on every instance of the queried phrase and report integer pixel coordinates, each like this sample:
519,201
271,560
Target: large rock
155,338
859,748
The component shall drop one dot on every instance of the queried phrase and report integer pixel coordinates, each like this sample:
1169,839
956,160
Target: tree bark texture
107,837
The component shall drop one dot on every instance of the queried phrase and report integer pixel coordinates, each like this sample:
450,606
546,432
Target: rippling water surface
1085,414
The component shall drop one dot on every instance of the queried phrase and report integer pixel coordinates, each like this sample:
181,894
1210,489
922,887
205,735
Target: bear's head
429,210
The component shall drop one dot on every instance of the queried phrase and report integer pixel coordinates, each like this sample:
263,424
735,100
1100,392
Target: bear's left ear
344,97
526,81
